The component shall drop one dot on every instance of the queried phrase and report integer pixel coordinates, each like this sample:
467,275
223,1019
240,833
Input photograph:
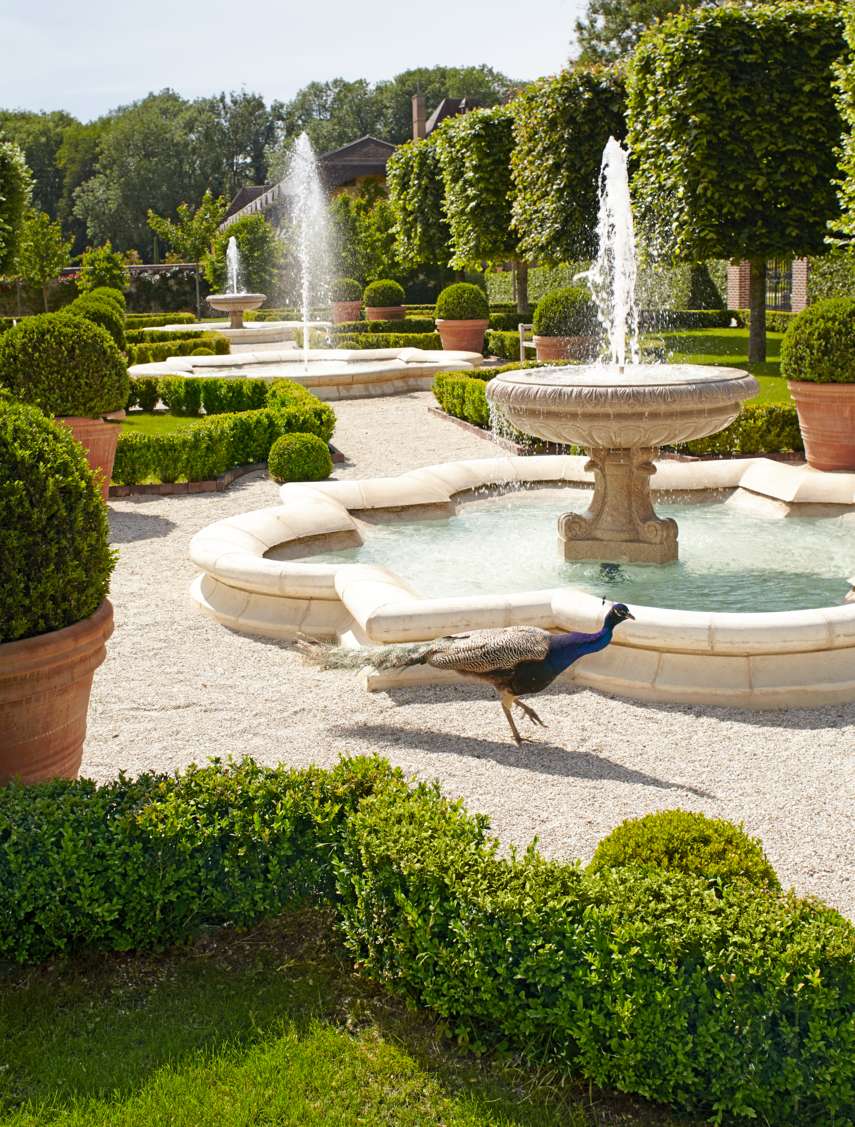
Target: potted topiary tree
55,618
462,317
818,361
345,300
564,324
384,301
71,368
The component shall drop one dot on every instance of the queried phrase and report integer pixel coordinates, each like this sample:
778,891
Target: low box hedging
161,350
152,320
723,1005
777,321
505,345
155,336
508,322
738,1005
212,445
406,325
462,394
672,320
763,428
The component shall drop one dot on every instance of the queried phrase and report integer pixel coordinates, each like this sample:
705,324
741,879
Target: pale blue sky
89,57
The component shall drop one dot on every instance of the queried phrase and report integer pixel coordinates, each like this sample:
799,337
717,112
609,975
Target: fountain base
620,525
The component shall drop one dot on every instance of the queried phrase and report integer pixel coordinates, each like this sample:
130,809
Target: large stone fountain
621,412
621,416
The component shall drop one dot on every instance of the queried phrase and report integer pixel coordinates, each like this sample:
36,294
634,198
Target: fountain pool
734,559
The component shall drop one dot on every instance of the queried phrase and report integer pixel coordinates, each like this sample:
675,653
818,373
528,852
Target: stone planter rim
386,312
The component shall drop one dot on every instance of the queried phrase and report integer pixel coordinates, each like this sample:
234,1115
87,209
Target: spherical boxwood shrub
108,293
101,311
348,289
819,345
568,312
462,302
299,457
681,841
65,365
202,352
55,557
383,293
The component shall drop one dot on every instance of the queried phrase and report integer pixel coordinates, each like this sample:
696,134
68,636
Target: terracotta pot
345,311
44,698
99,440
462,336
565,348
827,422
385,312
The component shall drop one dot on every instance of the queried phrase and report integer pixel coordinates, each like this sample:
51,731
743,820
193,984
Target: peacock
514,659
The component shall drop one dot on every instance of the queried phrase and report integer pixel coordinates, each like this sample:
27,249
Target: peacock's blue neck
567,648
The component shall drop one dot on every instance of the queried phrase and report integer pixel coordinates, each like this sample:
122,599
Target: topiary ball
568,312
101,311
681,841
462,302
201,351
383,294
348,289
299,457
819,344
64,364
108,293
55,556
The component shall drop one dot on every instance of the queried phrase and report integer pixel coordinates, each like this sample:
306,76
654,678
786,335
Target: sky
90,57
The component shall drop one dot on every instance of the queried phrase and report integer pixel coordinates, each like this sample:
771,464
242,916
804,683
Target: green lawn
153,422
729,347
267,1028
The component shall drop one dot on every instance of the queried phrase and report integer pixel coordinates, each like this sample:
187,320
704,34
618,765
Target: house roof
365,157
245,196
450,107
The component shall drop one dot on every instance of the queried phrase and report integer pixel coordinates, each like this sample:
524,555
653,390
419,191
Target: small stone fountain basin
646,405
255,580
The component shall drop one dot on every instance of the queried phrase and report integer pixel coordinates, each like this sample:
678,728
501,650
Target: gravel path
176,688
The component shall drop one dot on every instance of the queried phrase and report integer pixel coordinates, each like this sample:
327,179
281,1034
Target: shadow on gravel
536,755
125,528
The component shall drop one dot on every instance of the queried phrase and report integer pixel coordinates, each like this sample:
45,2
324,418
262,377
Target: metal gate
779,284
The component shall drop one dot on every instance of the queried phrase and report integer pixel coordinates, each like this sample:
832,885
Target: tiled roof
245,196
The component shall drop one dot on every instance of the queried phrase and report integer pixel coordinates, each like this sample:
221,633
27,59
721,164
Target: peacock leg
507,711
530,713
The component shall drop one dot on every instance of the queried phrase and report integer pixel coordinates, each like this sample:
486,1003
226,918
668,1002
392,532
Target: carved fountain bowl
239,302
649,405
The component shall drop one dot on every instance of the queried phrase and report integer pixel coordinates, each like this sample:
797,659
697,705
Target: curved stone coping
251,332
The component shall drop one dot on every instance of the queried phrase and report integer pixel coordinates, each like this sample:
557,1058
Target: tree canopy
191,237
734,131
562,124
416,195
610,29
15,182
43,253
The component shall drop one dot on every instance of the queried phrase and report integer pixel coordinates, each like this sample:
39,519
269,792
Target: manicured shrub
567,312
181,394
152,320
506,346
462,302
762,428
55,556
508,322
222,395
345,289
102,312
299,457
323,338
684,842
383,293
819,345
405,325
177,344
300,410
108,293
145,862
463,395
155,336
144,393
101,268
64,364
202,352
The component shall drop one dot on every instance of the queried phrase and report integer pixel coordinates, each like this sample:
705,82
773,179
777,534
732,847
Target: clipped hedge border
210,446
777,321
672,320
152,320
177,345
405,325
723,1004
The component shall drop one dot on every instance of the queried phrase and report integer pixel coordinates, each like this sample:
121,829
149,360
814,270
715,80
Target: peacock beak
632,616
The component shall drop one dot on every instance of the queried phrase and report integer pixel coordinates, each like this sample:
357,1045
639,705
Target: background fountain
235,301
621,413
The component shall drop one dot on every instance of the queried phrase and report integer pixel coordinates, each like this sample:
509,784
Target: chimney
418,117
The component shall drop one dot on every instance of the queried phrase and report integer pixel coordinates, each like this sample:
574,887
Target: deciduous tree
416,195
15,181
43,253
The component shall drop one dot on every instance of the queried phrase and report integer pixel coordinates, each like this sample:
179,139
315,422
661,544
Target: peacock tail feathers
327,656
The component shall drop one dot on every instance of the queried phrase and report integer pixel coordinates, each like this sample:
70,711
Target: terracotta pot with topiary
70,367
384,301
462,317
345,300
818,361
564,325
55,618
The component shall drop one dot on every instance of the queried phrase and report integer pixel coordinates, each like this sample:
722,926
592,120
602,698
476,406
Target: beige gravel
177,688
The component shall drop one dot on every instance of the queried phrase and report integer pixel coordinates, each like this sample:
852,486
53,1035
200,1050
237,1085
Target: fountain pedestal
621,416
235,305
620,525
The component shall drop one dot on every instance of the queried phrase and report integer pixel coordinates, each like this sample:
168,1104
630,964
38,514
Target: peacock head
618,613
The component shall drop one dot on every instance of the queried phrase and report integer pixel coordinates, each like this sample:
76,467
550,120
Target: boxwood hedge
724,1007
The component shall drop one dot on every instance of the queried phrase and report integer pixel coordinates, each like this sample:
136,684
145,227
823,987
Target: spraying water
232,267
308,225
612,276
